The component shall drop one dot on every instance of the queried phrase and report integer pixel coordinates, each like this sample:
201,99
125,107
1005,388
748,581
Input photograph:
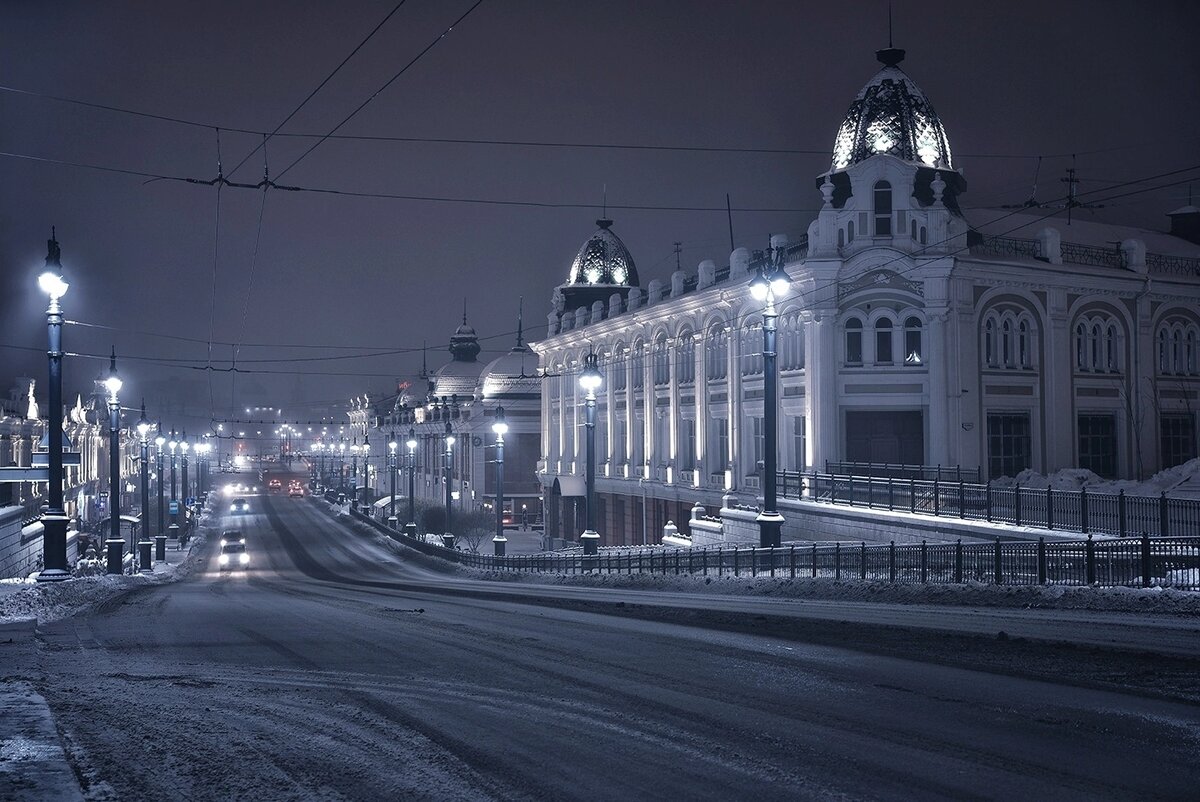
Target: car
232,536
296,491
233,555
274,485
239,506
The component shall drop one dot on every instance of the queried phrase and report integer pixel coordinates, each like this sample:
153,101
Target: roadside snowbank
1077,478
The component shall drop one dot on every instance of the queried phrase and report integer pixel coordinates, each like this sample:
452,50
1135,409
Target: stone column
937,423
1057,368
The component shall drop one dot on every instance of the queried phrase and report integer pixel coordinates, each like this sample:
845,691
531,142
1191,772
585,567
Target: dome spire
891,55
520,322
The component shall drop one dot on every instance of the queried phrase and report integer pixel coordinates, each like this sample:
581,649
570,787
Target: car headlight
223,559
245,558
223,542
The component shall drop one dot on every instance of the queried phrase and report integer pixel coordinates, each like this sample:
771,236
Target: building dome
891,115
603,260
512,375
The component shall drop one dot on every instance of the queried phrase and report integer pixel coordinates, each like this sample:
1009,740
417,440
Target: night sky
1114,82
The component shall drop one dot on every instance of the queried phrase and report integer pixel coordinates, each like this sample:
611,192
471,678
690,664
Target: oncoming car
232,536
233,555
295,490
274,485
239,506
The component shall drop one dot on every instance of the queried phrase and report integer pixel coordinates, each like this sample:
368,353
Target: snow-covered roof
1081,231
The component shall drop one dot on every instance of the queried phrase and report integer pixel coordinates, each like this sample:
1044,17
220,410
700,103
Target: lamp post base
116,550
499,544
410,529
448,540
55,531
147,565
770,529
160,548
393,522
590,541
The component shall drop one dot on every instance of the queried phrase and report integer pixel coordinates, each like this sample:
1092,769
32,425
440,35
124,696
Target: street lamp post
160,539
354,473
54,536
115,543
392,520
500,427
173,529
366,452
769,287
411,444
447,469
143,429
184,485
590,380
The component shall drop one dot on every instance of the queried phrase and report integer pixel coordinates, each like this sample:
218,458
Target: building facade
911,334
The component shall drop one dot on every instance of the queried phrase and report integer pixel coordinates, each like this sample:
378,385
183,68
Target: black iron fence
944,473
1123,562
1119,514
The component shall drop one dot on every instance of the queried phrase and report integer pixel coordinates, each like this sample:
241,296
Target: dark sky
1012,78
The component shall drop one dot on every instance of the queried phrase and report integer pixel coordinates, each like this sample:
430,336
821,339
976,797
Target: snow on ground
1077,478
49,601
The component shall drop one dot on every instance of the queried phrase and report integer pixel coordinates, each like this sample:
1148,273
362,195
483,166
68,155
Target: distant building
911,335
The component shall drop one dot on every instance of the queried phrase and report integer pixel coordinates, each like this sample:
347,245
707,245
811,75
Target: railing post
1091,560
958,561
1164,520
1121,513
720,561
832,489
850,490
1049,507
1041,560
704,562
1083,510
1147,561
771,557
987,496
837,562
1016,505
891,495
792,559
862,566
924,562
814,560
962,503
937,502
997,573
735,560
870,498
912,494
892,562
753,561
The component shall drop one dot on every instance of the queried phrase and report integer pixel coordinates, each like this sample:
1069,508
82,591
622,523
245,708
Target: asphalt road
336,669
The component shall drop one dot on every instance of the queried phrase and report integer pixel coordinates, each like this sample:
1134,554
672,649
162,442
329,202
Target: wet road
337,668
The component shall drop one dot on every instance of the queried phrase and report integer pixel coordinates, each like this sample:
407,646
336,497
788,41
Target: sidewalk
33,765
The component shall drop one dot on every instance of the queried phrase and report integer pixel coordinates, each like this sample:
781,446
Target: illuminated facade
911,335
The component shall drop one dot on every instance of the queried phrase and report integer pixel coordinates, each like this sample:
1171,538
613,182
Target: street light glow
53,285
591,378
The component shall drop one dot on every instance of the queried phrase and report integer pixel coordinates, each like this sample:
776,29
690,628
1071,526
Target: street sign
190,501
173,508
41,459
13,474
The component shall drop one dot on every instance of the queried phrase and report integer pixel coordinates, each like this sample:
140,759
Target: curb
33,765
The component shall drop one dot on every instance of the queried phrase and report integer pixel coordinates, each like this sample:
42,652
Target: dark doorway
886,437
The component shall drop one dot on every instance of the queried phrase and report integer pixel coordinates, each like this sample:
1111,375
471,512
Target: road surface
338,669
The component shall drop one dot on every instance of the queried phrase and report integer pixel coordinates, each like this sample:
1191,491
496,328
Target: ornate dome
603,260
891,115
511,375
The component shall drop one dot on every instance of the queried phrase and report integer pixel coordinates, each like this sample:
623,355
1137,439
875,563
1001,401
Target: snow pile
1078,478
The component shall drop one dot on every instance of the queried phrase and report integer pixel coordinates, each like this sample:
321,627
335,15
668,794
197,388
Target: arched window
791,342
914,229
883,341
637,359
685,359
1110,348
989,341
1164,351
1023,345
922,235
717,346
841,237
883,209
1177,351
854,348
620,368
662,362
752,359
1097,361
912,341
1191,351
850,231
1006,343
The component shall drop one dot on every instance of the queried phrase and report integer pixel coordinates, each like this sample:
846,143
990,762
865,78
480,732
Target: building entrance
886,437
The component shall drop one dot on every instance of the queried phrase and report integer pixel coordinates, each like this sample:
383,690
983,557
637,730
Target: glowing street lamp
173,529
590,380
500,428
143,429
115,543
160,539
411,444
54,537
392,445
448,536
770,285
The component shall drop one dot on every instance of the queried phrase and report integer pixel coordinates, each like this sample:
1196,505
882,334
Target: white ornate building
911,334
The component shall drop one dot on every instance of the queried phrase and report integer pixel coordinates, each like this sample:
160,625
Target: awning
568,484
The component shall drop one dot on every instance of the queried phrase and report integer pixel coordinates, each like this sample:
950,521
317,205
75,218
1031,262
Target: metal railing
1125,562
953,473
1119,514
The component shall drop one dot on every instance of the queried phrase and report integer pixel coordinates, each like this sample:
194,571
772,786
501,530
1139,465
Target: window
638,362
618,442
850,231
989,342
1006,350
687,445
685,359
853,341
757,440
1110,348
799,442
1008,444
752,358
883,342
912,341
1164,351
720,453
1191,365
791,345
914,229
662,363
883,209
1081,360
1023,353
620,369
1177,438
922,235
717,348
1098,444
841,237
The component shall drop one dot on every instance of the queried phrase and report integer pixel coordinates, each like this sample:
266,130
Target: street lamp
392,444
143,429
500,427
116,543
411,444
184,485
448,536
160,540
768,287
173,529
54,536
366,453
590,380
